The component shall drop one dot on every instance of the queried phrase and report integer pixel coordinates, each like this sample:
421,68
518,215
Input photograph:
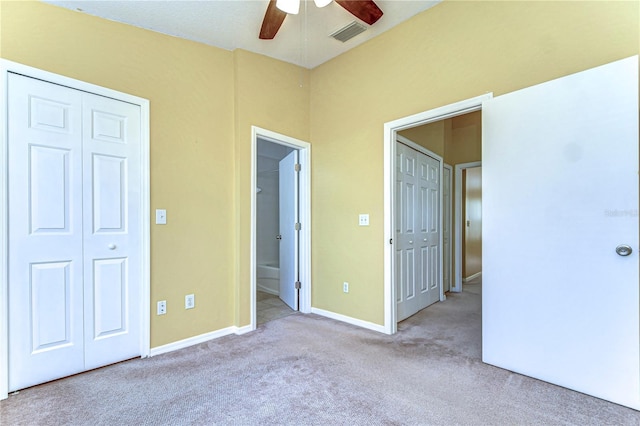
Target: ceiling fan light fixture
322,3
288,6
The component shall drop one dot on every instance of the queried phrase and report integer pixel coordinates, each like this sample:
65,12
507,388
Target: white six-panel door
111,153
74,246
45,232
417,262
560,202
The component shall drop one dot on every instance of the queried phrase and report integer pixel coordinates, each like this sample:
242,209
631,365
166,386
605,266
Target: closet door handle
278,237
111,246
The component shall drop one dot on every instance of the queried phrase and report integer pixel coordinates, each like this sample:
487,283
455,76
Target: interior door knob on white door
410,241
111,246
624,250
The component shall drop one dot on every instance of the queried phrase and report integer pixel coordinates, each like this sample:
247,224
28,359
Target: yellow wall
454,51
466,135
275,96
430,136
204,100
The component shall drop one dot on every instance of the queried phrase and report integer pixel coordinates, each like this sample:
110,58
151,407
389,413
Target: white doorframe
304,158
446,166
457,288
390,134
7,67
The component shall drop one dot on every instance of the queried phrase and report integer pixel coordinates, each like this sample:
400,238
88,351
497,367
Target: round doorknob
623,250
111,246
425,240
410,241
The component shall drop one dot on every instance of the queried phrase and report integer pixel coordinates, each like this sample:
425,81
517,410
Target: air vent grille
348,32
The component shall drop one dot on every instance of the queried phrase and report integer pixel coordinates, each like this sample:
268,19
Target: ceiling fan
365,10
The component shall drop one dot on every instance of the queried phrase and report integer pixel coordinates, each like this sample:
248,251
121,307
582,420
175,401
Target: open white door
560,203
288,188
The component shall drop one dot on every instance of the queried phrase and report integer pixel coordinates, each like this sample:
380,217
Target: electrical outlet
345,287
363,220
189,301
162,307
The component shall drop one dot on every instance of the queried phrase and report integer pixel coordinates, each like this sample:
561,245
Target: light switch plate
364,220
161,217
189,301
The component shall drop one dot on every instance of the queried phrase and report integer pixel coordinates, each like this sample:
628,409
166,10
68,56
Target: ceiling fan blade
365,10
273,19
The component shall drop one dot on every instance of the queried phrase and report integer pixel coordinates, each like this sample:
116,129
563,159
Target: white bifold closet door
417,240
74,231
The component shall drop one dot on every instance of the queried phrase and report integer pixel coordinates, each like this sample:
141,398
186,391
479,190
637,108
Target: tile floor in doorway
270,307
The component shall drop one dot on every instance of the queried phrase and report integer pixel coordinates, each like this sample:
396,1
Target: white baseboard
185,343
243,330
354,321
472,277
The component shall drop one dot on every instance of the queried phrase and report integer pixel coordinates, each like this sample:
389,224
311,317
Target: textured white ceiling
303,39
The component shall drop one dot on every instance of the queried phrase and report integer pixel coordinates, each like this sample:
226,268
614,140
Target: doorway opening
411,127
280,247
468,224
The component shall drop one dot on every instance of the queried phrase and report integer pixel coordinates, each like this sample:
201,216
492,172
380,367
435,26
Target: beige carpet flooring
310,370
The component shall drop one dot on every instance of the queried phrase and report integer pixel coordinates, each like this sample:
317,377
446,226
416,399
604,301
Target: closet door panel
45,232
112,224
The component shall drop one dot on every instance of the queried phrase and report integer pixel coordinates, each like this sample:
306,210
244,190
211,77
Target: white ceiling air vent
348,32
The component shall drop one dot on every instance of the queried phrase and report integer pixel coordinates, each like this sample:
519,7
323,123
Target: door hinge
390,240
297,167
298,285
298,226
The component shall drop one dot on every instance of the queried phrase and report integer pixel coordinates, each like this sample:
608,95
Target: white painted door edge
304,159
7,67
390,131
457,288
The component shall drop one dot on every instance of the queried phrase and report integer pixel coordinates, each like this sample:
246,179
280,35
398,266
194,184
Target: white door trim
7,67
449,234
304,159
390,134
457,288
